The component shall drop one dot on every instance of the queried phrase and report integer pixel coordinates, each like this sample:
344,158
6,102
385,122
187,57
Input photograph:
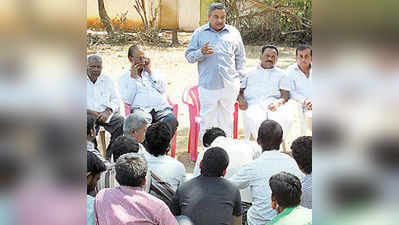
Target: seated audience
209,198
286,196
135,126
302,153
128,203
240,153
94,169
157,139
256,173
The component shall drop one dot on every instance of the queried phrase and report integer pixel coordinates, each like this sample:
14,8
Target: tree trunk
105,20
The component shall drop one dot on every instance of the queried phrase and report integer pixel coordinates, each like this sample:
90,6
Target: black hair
211,134
301,48
286,189
123,145
157,138
214,162
94,164
302,153
270,135
131,170
91,121
269,46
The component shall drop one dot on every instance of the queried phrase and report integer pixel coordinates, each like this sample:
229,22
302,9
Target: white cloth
240,153
217,107
262,87
167,168
298,84
256,175
102,94
145,92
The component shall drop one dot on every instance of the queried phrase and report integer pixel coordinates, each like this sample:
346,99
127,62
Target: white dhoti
217,108
257,113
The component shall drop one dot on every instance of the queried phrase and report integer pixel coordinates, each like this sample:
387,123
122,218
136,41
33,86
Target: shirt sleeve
242,178
237,209
157,82
240,57
193,52
288,83
167,217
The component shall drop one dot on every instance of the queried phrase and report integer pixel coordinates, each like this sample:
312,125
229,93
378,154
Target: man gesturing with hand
219,51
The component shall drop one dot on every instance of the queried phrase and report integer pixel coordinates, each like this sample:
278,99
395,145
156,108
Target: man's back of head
157,138
302,153
136,123
286,190
214,163
94,169
123,145
211,134
270,135
131,170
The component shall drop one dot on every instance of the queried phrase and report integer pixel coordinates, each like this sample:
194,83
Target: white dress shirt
240,153
263,84
298,84
102,94
167,168
256,175
145,91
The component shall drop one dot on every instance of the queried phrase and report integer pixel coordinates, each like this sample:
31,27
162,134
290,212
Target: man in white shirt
299,81
257,173
142,88
102,99
262,94
240,153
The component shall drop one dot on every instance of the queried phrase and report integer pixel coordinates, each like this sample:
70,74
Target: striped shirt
306,200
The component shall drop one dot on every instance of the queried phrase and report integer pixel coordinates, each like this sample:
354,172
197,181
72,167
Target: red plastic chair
194,107
175,109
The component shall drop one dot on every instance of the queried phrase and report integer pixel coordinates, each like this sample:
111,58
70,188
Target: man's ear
274,203
130,59
144,182
224,172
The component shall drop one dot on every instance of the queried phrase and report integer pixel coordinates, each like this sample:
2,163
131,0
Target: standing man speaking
220,53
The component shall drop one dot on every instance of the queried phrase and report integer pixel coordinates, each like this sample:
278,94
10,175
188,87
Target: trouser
166,115
256,114
114,127
217,108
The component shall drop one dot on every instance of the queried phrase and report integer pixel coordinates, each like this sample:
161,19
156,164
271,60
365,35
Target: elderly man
262,94
135,126
256,173
142,88
299,82
220,53
128,203
102,99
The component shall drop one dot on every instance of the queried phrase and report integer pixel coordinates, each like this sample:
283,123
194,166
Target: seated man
255,173
302,153
240,153
94,169
262,94
128,203
141,88
91,135
299,82
286,196
170,170
209,198
135,126
102,100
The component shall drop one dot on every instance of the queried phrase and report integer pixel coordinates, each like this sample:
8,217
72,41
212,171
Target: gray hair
135,121
94,57
131,169
214,6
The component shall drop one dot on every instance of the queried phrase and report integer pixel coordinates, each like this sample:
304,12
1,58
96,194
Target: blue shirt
225,64
90,210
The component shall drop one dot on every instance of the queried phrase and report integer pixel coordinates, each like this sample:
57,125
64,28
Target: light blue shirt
226,64
90,210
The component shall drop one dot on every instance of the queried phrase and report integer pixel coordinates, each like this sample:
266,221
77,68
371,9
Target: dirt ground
174,68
